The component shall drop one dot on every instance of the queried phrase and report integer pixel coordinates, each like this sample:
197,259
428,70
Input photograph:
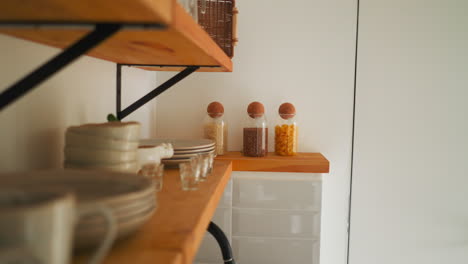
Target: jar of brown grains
255,131
215,127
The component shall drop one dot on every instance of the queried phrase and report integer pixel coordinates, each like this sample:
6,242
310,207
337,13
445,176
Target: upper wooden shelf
149,11
182,42
174,233
303,162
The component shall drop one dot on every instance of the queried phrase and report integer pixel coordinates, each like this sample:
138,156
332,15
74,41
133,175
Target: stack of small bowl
107,146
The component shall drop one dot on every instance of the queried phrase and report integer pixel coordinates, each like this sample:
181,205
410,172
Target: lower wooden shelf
302,162
174,233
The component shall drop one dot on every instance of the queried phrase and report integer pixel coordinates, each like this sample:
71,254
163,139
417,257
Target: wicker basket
219,19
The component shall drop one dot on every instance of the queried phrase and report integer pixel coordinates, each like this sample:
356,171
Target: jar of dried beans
286,131
255,131
215,127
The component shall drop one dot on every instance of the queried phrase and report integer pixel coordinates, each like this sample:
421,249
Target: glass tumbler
158,177
154,171
195,162
210,162
188,177
204,166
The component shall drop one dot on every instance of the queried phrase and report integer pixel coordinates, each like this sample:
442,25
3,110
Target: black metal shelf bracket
100,33
151,95
223,242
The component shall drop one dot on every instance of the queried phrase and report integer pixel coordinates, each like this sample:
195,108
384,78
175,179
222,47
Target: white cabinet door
410,180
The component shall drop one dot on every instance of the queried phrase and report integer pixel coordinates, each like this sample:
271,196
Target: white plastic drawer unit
249,250
275,223
270,218
286,191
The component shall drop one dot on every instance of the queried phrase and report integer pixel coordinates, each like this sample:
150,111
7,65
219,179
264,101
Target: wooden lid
215,109
255,109
287,110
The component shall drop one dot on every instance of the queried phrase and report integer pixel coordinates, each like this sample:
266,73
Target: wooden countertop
174,233
302,162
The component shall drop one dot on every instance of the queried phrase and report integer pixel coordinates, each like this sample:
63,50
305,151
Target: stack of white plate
107,146
130,197
184,149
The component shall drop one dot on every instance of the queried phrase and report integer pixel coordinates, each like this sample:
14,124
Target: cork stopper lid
287,111
256,109
215,109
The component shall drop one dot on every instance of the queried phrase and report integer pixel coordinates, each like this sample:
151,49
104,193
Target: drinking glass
154,171
158,177
210,163
195,162
204,164
188,176
207,164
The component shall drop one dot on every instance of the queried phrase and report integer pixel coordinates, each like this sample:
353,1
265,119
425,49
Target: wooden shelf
303,162
174,233
158,11
183,42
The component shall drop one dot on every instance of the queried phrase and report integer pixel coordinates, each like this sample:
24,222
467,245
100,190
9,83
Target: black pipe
223,242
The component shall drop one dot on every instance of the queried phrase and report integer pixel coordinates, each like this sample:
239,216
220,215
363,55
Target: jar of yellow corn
286,131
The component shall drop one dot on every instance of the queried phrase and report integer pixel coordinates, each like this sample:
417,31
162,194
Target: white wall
32,129
302,52
410,183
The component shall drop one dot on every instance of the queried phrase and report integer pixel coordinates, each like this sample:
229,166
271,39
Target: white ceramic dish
180,144
87,156
184,156
191,151
154,154
113,190
89,186
41,222
130,167
114,130
126,227
121,213
89,228
174,162
96,142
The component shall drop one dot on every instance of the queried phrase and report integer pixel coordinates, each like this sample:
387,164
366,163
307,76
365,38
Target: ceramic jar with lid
286,131
255,131
215,127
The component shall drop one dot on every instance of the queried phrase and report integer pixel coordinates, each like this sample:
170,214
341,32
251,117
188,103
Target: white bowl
89,156
131,167
115,130
73,139
154,154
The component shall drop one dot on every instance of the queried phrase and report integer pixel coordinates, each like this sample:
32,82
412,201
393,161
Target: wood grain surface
183,42
149,11
175,232
303,162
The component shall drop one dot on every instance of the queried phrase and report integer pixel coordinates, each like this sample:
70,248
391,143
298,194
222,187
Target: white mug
36,226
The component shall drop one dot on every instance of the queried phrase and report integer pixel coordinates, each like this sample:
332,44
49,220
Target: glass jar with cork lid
215,127
255,131
286,131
